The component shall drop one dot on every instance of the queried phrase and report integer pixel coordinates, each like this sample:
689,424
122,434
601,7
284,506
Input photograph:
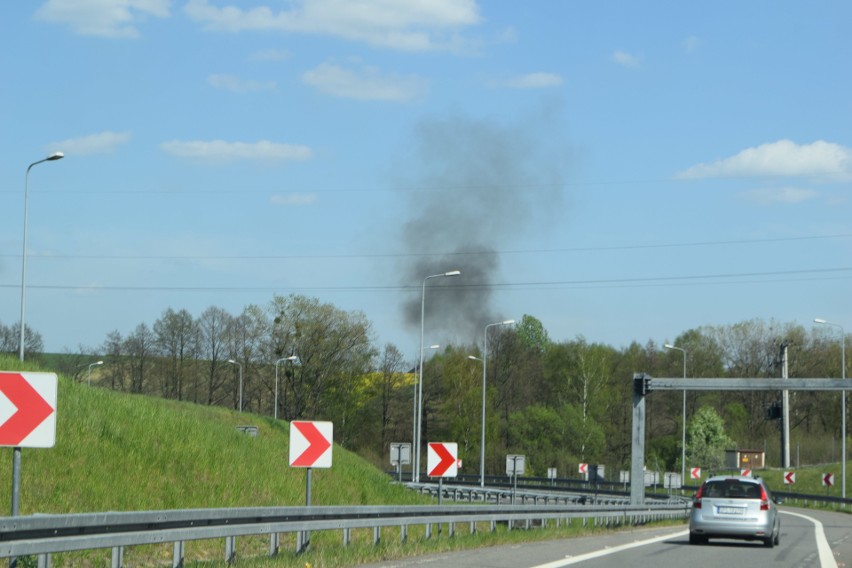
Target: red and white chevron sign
28,410
310,443
828,479
442,459
695,473
745,472
584,468
789,477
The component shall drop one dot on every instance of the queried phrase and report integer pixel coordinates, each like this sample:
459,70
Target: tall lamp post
842,401
482,427
89,381
416,448
290,358
53,157
238,364
683,433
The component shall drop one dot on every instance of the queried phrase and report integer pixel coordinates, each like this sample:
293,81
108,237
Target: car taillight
696,503
764,499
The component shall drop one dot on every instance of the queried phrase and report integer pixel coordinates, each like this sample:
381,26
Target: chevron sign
28,410
442,460
310,443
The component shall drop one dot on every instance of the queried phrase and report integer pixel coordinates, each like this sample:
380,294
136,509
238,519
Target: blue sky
622,171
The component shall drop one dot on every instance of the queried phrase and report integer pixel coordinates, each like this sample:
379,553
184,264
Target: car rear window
731,489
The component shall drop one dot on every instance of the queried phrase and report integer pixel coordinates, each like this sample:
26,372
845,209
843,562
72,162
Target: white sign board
400,454
515,465
310,443
28,409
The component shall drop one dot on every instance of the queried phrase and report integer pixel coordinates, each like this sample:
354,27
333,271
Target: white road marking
826,557
606,551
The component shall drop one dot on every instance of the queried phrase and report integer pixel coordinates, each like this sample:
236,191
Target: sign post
441,462
400,454
27,418
515,467
310,447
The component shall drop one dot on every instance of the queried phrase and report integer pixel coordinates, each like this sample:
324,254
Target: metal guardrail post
377,535
177,554
230,549
117,559
44,561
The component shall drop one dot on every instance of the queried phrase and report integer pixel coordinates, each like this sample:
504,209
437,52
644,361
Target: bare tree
176,340
139,347
213,325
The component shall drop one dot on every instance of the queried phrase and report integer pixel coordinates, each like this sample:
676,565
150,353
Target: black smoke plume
476,187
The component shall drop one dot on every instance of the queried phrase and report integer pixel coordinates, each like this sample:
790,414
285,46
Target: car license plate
731,510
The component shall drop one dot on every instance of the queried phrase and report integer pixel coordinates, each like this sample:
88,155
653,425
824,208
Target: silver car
734,507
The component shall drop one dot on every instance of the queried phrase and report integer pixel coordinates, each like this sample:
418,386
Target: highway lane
809,539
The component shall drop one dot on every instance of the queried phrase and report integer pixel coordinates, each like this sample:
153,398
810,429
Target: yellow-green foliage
120,452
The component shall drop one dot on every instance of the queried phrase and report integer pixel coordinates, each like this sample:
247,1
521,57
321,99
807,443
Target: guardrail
43,535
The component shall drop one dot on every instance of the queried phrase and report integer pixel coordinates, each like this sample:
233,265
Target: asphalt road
808,539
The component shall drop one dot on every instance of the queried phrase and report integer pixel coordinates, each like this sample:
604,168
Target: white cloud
365,84
412,25
625,59
769,196
534,81
783,158
220,150
100,143
105,18
294,199
237,85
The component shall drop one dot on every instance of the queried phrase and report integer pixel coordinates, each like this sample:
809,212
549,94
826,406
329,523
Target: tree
176,336
707,440
212,328
532,334
139,348
334,349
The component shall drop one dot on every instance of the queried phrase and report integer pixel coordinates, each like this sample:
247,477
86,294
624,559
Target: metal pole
416,448
290,358
683,427
52,157
482,428
482,433
842,402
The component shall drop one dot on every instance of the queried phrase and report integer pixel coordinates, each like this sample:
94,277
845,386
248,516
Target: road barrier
43,535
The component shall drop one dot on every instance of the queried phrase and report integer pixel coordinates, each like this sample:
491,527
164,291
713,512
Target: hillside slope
120,452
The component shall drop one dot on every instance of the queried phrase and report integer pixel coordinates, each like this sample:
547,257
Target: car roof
735,478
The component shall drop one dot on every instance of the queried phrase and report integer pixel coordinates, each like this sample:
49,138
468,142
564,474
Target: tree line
557,402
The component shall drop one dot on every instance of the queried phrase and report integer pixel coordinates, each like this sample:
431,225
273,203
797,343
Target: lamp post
232,362
89,381
683,433
482,427
290,358
53,157
842,401
419,416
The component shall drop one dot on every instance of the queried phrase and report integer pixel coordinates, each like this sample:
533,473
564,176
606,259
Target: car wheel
769,542
697,539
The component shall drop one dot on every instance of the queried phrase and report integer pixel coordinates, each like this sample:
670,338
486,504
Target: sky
621,171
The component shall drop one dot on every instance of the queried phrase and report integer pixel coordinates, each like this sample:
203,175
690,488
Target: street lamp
482,428
842,401
419,416
232,362
683,433
53,157
290,358
89,382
